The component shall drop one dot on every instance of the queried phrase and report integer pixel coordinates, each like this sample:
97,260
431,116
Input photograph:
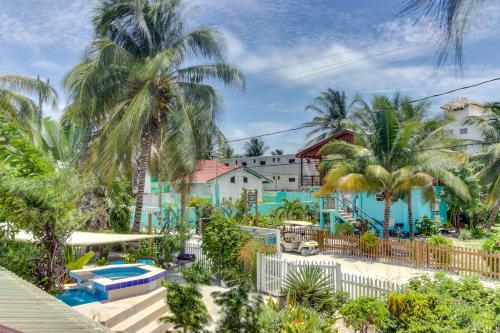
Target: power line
412,101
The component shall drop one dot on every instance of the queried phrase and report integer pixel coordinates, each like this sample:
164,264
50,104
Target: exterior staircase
349,212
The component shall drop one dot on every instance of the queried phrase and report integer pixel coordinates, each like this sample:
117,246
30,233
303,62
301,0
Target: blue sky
289,50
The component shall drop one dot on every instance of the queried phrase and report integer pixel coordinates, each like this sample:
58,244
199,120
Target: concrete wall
281,169
228,190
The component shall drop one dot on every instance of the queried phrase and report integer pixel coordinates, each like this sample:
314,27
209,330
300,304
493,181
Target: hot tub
112,282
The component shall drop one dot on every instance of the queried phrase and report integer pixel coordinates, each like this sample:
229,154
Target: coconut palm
452,18
255,147
490,178
489,124
277,152
16,93
389,157
290,210
134,95
331,109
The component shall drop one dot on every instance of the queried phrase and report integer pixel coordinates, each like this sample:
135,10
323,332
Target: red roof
313,151
209,169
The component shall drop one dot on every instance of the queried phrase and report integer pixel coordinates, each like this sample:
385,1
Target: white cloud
45,64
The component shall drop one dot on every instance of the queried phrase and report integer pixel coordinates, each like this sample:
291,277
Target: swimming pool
120,272
74,297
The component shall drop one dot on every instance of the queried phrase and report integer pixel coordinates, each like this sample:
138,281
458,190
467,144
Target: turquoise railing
339,201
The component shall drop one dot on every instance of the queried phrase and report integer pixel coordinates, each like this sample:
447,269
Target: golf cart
290,239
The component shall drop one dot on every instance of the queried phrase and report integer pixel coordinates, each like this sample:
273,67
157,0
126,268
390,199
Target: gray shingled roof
28,309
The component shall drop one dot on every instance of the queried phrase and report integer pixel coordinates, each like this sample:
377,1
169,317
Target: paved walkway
374,269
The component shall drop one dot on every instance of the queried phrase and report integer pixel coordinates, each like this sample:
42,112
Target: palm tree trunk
492,218
141,174
387,213
410,215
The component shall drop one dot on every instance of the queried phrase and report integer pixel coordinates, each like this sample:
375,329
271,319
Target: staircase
349,212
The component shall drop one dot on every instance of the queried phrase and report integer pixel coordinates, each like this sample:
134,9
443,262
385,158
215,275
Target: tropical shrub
197,274
365,313
163,250
344,229
308,286
240,312
438,240
427,226
73,262
440,254
248,254
221,243
465,234
477,232
21,259
186,304
202,206
102,261
290,210
369,240
492,243
442,304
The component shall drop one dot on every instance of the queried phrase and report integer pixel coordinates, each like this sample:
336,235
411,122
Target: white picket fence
272,271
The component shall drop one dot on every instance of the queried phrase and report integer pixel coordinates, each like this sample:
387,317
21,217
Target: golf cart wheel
282,248
304,252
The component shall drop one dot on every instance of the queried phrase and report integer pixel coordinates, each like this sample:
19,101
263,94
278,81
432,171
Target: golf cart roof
299,223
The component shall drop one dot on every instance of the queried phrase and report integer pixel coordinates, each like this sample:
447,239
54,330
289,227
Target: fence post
338,277
258,265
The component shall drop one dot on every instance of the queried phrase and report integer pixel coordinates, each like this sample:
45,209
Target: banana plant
73,262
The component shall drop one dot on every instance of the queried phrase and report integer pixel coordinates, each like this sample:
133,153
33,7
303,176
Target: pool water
74,297
120,272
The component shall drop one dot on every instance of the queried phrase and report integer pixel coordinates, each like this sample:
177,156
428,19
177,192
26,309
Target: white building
459,109
283,171
213,180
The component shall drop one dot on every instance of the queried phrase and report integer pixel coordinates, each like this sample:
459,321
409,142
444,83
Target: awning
93,238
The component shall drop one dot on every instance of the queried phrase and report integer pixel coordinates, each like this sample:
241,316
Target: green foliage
295,319
255,147
492,243
188,310
164,249
197,274
202,206
308,286
442,304
130,258
248,255
290,210
344,229
102,261
369,239
73,262
438,240
221,243
477,232
240,312
427,226
21,258
364,313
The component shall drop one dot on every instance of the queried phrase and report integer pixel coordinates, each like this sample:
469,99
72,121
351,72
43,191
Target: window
291,180
262,162
274,177
278,177
463,131
278,159
245,180
291,161
226,164
233,179
244,163
449,132
253,161
274,159
235,162
379,197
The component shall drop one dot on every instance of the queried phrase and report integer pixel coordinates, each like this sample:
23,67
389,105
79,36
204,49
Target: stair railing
359,214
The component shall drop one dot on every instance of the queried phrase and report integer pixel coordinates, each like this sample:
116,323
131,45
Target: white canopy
92,238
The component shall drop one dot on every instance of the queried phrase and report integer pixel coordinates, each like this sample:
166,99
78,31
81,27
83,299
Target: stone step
149,299
155,327
143,318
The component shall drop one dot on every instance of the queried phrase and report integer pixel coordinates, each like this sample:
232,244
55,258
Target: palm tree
390,157
16,93
290,210
133,94
488,124
277,152
331,109
255,147
452,17
490,177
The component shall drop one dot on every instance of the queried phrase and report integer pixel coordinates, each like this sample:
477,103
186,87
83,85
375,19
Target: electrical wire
412,101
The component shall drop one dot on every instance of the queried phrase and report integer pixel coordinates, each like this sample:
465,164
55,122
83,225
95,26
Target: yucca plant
308,286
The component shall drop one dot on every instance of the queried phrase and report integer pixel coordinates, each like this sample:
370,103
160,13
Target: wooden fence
272,271
415,253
